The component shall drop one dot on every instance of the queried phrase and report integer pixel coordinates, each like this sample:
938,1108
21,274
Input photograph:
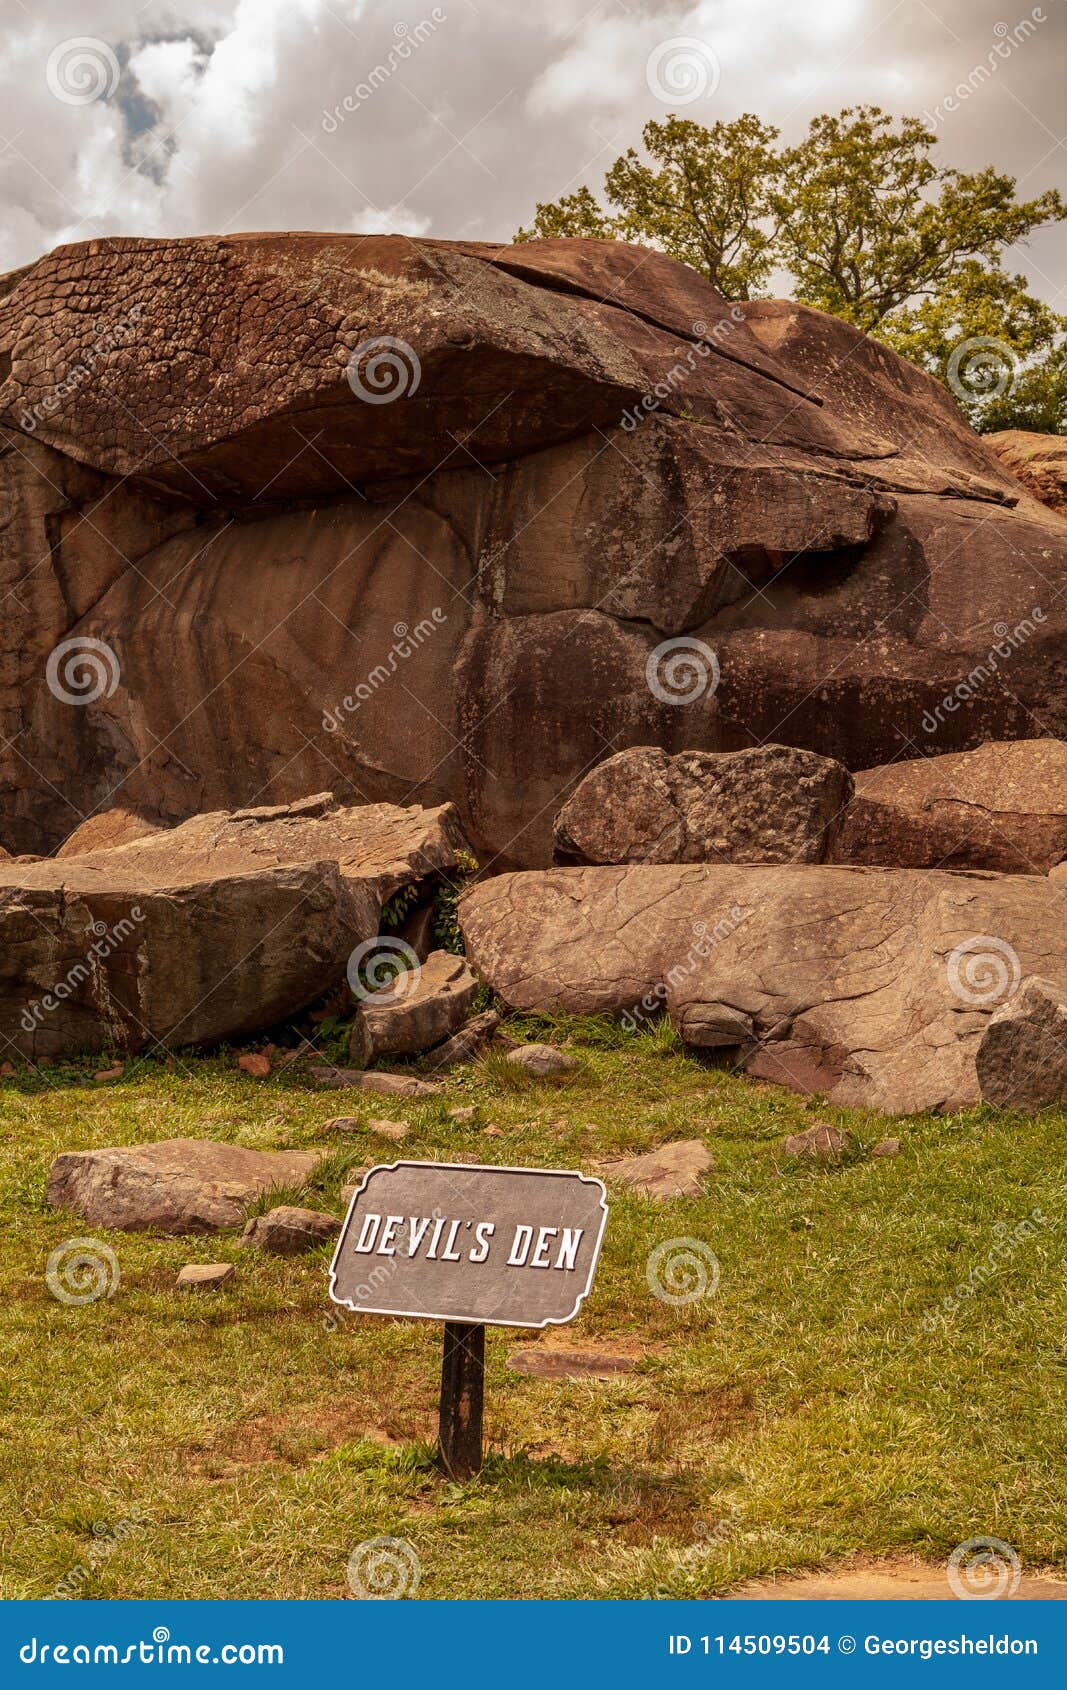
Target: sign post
473,1247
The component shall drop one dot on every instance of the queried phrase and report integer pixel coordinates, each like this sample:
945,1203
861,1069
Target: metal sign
478,1245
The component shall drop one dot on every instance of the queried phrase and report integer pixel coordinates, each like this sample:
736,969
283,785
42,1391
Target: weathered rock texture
773,804
1022,1058
297,586
1039,460
873,986
1003,806
206,931
175,1185
420,1009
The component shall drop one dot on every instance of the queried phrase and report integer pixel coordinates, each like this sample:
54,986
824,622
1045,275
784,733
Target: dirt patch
888,1581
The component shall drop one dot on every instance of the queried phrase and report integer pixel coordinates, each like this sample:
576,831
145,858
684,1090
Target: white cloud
465,116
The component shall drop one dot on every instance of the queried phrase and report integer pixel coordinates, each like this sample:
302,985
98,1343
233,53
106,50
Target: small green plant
396,911
446,930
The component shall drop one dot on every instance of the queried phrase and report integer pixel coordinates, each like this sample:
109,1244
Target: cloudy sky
170,117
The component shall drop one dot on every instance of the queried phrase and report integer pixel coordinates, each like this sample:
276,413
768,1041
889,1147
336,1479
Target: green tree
1000,350
867,225
705,199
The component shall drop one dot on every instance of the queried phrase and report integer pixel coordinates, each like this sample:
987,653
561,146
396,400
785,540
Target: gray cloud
454,118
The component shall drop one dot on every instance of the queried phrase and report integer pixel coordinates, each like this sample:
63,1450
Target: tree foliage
866,224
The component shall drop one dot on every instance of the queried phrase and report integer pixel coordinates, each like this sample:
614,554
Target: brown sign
482,1245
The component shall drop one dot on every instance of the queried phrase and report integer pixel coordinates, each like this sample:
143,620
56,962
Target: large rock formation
1040,462
421,520
874,986
206,931
1000,807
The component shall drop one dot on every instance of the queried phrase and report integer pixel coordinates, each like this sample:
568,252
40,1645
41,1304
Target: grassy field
826,1400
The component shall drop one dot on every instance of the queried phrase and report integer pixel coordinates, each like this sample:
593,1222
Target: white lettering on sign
466,1240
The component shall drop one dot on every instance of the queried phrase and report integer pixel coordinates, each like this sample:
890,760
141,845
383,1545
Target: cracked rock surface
872,986
461,593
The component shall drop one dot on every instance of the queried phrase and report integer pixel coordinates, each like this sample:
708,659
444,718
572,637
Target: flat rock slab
819,1143
537,1361
674,1170
418,1010
768,804
211,930
205,1276
387,1085
1002,806
884,1581
288,1230
871,986
175,1185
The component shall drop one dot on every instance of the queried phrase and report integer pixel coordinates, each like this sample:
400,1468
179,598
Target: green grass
242,1444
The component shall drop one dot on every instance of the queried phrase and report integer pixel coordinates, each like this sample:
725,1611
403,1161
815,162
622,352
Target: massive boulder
430,521
1040,462
773,804
1002,806
873,986
206,931
421,520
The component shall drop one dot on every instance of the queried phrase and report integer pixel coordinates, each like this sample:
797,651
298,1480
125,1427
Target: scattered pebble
109,1073
542,1061
468,1113
256,1064
888,1147
492,1132
343,1124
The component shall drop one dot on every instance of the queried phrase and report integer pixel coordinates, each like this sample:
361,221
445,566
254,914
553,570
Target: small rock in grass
464,1045
204,1276
674,1170
492,1132
391,1085
395,1130
542,1061
254,1063
286,1231
821,1141
343,1124
112,1073
888,1147
6,1070
468,1113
